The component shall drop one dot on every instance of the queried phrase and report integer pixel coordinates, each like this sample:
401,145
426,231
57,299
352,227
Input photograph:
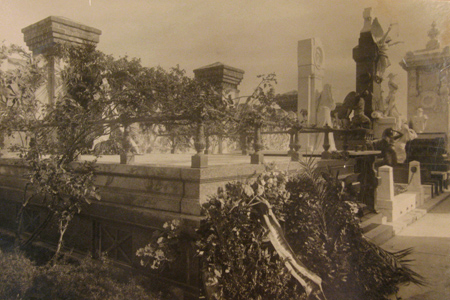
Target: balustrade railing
202,143
345,139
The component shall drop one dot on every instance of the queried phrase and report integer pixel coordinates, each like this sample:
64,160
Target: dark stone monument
366,55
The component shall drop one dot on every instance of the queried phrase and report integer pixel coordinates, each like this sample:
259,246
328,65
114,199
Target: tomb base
397,207
379,125
199,160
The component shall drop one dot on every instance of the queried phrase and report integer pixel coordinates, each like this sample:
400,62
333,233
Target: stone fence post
415,182
385,191
257,157
200,160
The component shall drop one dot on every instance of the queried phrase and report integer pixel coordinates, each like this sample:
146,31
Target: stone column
40,38
126,156
310,83
227,79
385,192
415,182
257,157
365,54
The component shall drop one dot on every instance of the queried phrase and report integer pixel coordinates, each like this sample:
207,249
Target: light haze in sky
258,36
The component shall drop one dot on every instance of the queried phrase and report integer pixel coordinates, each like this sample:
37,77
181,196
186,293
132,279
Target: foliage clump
239,261
16,275
89,279
321,225
163,247
323,229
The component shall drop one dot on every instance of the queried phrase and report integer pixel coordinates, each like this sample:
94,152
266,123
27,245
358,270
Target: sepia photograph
234,149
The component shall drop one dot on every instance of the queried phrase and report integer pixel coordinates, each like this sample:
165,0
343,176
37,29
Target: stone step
430,203
375,229
372,218
379,233
407,220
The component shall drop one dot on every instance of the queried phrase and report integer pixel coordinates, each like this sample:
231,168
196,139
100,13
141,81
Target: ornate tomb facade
428,86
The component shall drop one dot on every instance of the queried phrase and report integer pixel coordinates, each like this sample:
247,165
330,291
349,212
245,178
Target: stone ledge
417,213
380,234
45,33
61,20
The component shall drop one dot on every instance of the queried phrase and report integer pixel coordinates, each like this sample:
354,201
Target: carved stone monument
310,82
428,82
366,55
419,121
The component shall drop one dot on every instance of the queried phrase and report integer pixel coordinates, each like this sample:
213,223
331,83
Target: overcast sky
257,36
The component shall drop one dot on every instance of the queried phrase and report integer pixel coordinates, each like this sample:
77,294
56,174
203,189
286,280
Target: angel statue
391,107
325,104
383,41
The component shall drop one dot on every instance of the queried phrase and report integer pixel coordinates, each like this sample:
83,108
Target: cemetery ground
430,239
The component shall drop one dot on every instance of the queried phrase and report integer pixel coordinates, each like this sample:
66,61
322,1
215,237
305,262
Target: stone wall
136,200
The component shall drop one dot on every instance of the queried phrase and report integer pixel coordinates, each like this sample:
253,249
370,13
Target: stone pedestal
257,158
40,37
379,125
425,80
390,205
199,160
385,190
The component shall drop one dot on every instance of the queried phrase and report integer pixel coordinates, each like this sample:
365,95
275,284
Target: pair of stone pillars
393,206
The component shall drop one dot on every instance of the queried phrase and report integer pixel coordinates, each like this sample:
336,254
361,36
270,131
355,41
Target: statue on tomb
391,107
355,103
408,135
378,106
360,120
378,111
325,104
384,43
419,121
343,112
386,146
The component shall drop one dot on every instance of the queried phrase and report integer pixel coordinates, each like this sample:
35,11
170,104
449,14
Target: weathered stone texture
42,35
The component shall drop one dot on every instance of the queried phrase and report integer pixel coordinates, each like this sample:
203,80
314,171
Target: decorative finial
367,19
433,43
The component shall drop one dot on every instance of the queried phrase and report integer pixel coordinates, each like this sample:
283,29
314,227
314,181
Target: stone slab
399,206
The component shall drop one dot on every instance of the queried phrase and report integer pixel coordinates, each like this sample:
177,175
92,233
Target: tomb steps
375,229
